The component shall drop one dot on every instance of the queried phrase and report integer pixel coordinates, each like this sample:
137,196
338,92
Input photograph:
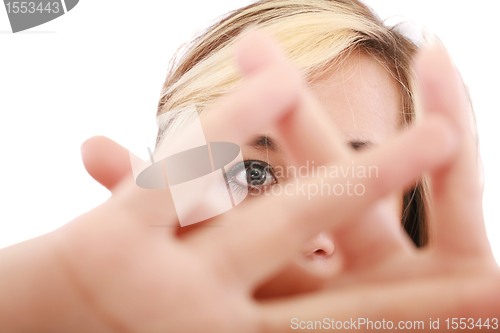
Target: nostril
320,247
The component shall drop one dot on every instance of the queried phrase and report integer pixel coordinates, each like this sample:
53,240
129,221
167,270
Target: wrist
39,293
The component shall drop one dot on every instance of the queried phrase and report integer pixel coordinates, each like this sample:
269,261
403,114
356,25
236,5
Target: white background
98,70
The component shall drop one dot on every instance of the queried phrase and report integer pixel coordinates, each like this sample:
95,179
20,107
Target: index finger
266,96
456,190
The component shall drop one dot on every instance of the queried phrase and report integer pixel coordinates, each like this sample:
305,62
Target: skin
362,101
109,271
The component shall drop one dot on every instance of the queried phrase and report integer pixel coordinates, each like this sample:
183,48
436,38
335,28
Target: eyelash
238,187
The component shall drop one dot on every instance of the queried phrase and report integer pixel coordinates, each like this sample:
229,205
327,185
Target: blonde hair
315,34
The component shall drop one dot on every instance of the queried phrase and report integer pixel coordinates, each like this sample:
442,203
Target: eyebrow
358,144
264,142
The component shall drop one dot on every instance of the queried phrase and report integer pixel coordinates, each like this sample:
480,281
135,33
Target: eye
252,174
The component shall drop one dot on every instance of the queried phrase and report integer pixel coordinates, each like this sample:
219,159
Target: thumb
106,161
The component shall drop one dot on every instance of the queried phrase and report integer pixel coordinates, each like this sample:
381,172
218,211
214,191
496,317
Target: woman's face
363,102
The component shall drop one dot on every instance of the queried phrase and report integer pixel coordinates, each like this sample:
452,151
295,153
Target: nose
320,246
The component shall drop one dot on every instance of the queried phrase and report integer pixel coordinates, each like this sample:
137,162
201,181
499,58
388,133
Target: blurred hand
126,275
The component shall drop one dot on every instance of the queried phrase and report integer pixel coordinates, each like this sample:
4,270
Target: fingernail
431,39
257,51
83,145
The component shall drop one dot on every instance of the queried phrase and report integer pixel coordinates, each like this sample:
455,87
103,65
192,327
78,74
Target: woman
109,270
357,68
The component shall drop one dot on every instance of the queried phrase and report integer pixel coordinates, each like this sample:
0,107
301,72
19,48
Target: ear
106,161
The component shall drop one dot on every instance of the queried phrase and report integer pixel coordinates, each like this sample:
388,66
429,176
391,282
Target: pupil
255,176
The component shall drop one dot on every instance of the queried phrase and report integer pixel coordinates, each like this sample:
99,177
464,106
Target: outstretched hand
126,275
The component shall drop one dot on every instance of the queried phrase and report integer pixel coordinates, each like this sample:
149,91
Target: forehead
361,96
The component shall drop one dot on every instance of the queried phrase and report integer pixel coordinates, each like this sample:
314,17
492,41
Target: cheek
394,204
